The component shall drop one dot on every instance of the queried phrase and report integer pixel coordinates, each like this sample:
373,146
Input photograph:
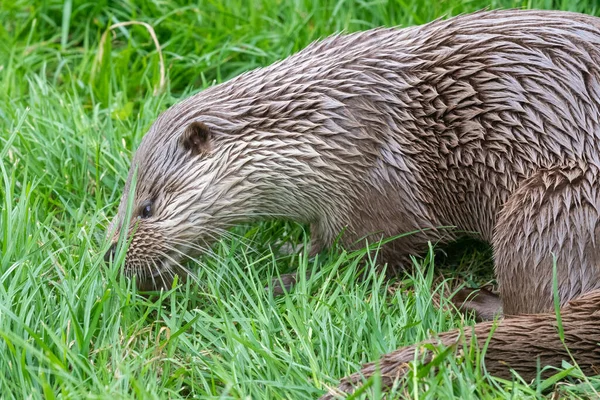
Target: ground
75,99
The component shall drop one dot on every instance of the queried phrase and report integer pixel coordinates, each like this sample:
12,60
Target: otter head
178,198
199,172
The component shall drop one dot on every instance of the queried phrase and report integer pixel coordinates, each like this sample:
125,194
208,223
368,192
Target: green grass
71,328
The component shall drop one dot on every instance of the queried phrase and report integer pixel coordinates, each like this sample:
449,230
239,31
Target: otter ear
196,138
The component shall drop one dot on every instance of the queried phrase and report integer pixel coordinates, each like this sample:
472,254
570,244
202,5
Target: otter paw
485,304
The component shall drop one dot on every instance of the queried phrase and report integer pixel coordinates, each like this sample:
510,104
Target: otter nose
110,253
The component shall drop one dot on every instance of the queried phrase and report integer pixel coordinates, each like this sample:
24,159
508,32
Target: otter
514,343
558,206
488,122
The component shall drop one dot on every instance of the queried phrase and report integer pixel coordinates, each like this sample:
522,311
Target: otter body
488,122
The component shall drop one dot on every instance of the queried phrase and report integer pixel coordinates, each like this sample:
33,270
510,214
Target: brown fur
489,122
555,211
516,343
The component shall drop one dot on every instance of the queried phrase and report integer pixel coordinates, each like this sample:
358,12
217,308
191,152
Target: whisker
190,244
202,250
156,268
216,233
180,266
252,215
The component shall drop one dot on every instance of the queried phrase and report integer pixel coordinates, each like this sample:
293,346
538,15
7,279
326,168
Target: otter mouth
151,273
155,260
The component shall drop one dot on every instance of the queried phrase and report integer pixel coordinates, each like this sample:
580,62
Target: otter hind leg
554,213
485,304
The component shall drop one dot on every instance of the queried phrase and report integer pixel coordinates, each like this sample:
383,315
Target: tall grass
70,327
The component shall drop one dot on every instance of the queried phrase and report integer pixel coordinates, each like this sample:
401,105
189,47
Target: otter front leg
554,213
284,283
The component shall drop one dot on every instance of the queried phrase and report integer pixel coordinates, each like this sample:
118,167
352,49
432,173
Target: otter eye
146,211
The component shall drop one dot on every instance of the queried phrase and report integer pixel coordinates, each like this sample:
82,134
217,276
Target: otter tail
515,343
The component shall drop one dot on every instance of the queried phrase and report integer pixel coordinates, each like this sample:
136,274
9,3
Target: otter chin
488,122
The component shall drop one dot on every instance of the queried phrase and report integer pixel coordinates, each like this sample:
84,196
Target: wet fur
516,342
488,122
